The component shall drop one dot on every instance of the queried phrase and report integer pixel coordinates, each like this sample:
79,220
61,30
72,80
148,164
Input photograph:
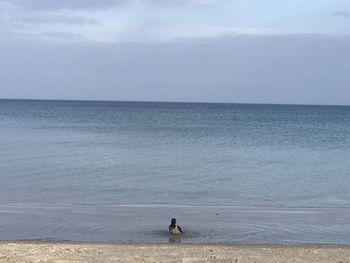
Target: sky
244,51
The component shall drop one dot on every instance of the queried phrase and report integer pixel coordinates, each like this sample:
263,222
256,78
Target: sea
103,171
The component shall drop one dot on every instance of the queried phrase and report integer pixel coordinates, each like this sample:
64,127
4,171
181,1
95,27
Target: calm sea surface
230,173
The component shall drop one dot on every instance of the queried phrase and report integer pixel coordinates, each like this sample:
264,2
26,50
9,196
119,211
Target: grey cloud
197,3
101,4
16,21
44,18
56,35
345,14
271,69
65,4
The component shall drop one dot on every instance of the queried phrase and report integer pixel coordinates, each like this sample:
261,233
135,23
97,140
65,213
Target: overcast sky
271,51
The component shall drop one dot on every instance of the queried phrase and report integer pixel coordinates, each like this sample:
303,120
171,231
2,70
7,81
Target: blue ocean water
89,166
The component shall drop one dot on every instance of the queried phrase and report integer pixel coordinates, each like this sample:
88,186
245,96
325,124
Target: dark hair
173,221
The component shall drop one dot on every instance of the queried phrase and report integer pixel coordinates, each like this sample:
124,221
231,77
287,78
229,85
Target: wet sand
23,251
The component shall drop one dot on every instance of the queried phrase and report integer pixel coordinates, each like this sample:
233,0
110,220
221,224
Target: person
174,229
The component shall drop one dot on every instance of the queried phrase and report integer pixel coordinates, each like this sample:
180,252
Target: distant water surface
111,161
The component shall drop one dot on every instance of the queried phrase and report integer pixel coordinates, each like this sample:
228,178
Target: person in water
174,229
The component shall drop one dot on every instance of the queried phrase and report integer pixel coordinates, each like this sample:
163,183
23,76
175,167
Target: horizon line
179,102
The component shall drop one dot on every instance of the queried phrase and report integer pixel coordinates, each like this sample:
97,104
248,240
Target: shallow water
73,170
148,223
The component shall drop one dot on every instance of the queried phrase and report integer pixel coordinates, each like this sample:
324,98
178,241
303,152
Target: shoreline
213,244
39,251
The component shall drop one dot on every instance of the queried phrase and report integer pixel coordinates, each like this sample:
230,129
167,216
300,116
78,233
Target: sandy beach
26,251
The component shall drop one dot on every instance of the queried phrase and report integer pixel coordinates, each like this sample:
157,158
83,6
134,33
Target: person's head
173,221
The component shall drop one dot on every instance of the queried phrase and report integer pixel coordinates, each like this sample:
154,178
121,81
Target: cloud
16,22
65,4
62,36
188,3
56,18
345,14
77,17
101,4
